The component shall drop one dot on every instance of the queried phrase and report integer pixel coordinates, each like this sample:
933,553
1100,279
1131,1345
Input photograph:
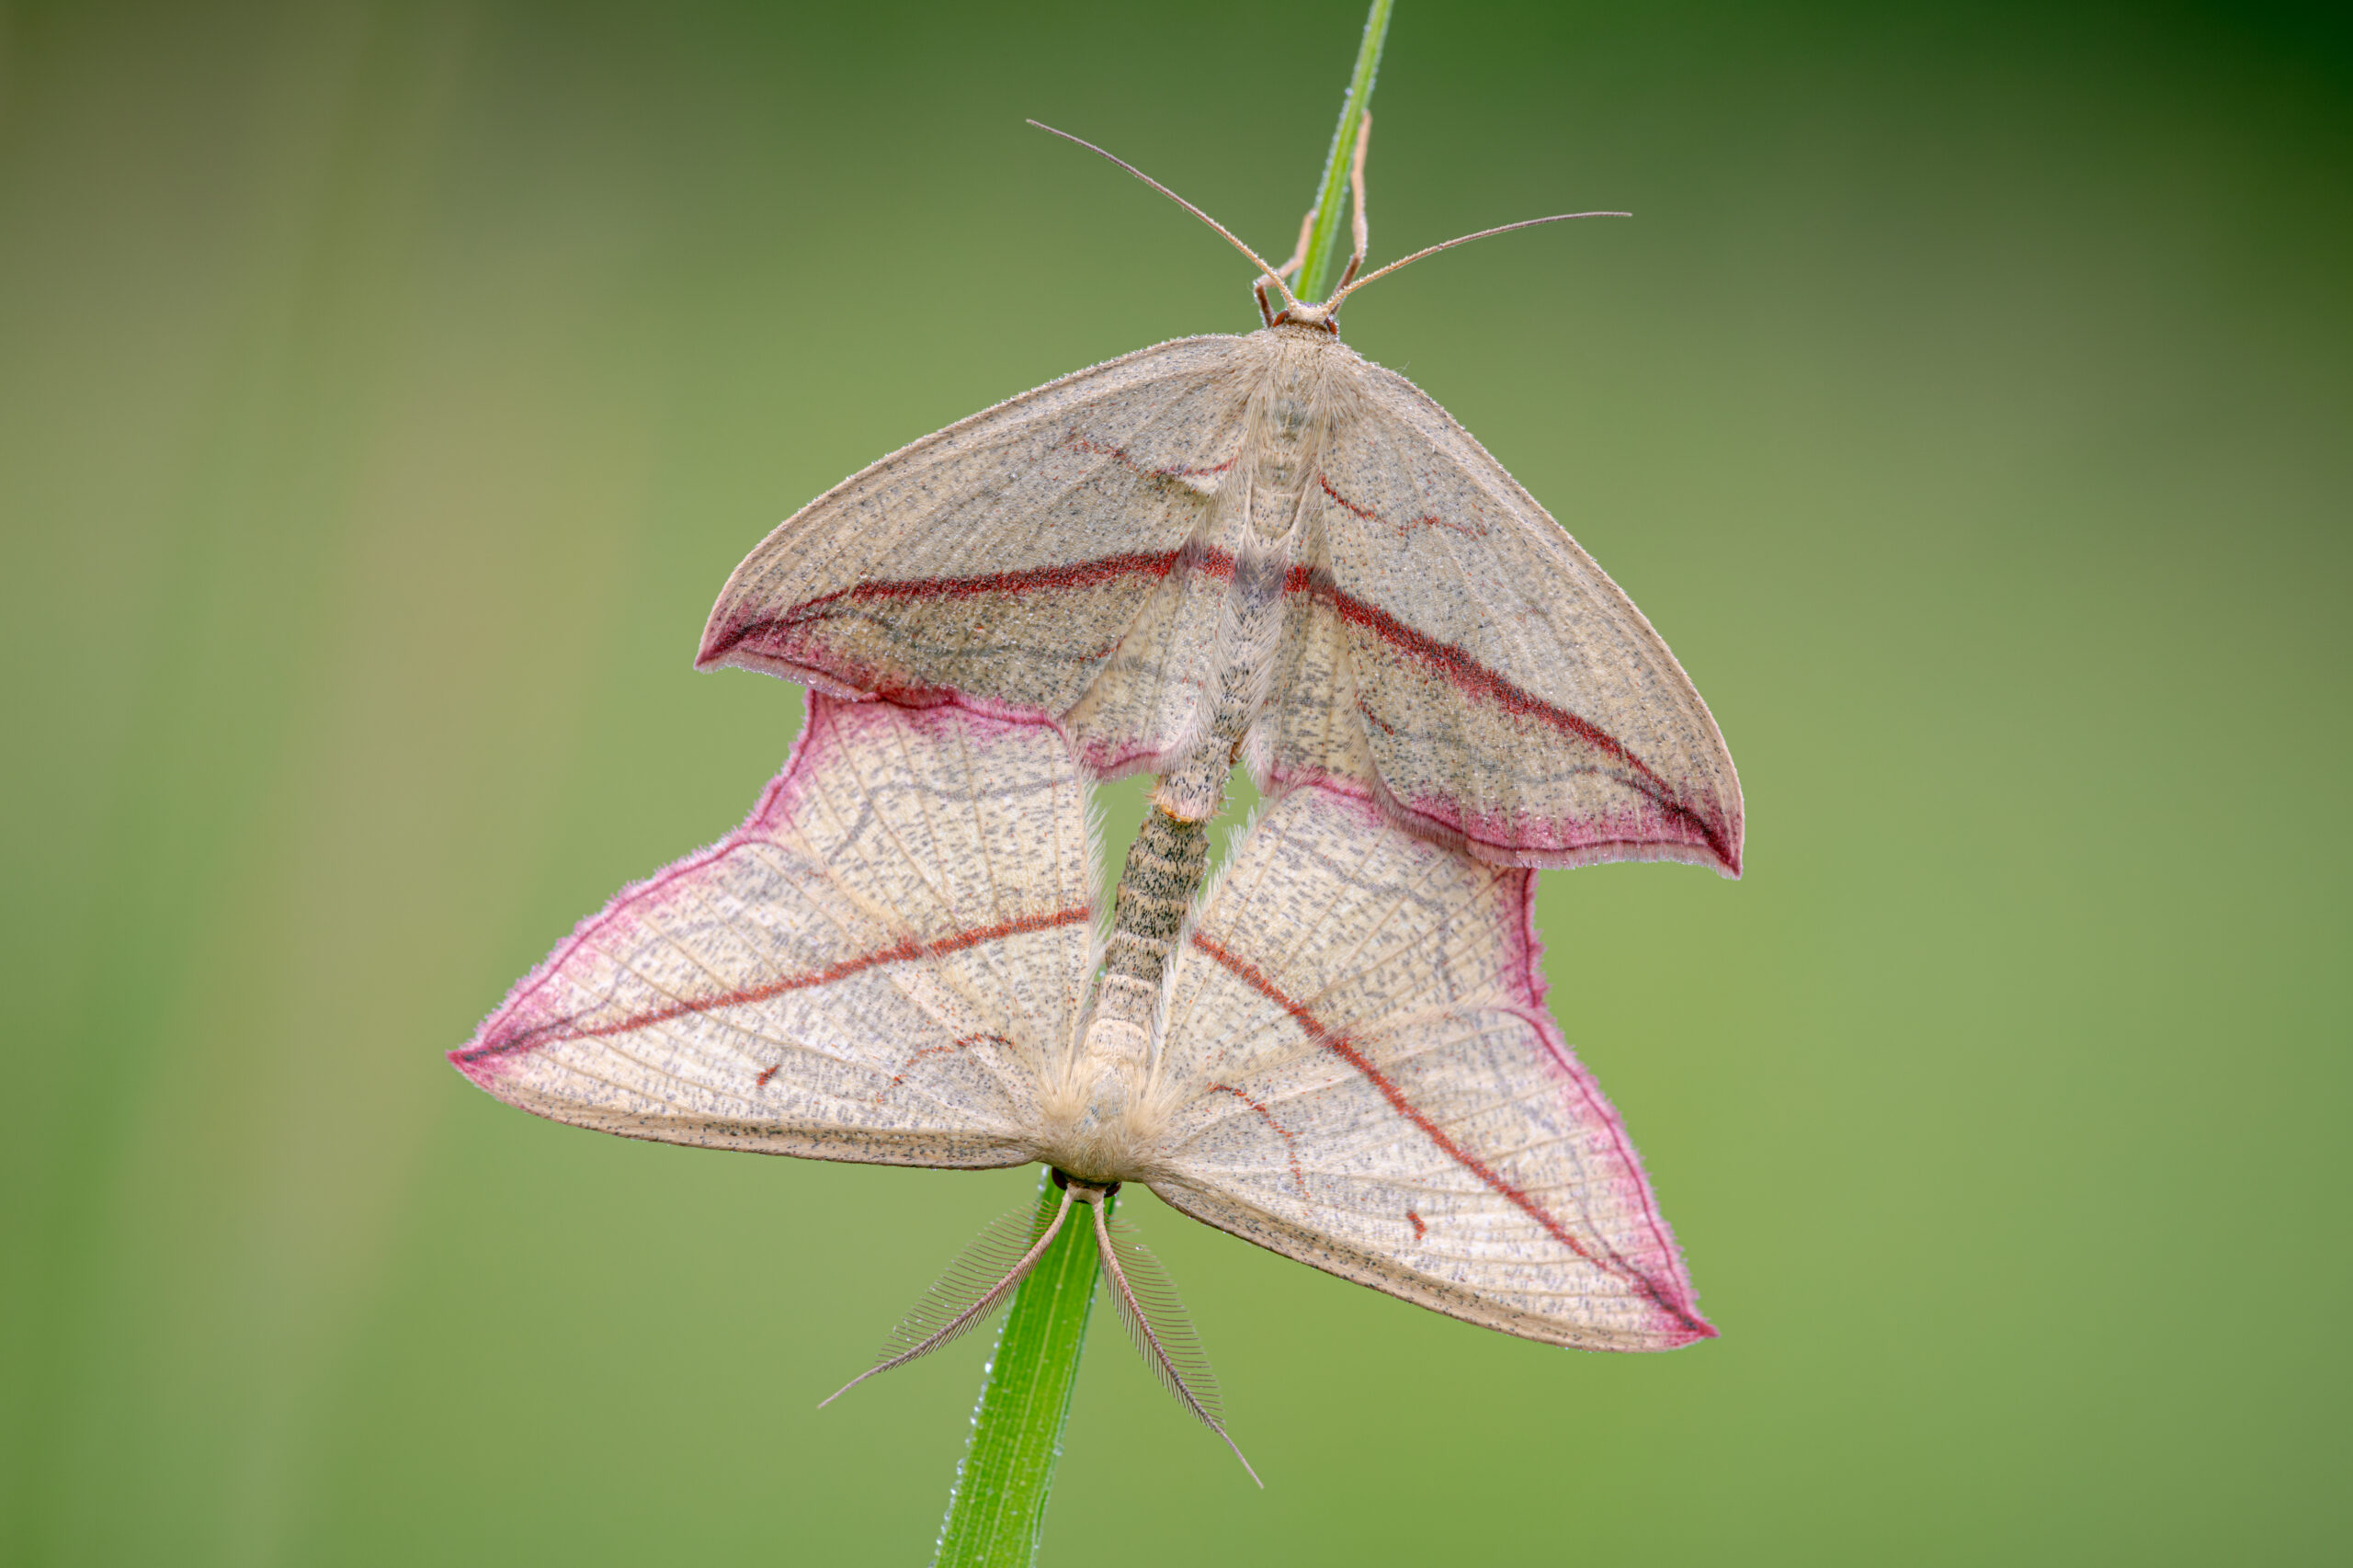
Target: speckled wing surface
1503,688
1360,1074
1446,649
874,967
1004,559
888,963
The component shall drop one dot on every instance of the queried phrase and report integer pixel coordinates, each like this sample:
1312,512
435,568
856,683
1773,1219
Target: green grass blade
1331,194
997,1512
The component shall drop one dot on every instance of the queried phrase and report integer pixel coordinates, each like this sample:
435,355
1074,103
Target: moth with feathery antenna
1348,1059
1261,549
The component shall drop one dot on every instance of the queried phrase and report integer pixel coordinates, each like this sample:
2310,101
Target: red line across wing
1466,673
1290,1144
1340,1046
902,952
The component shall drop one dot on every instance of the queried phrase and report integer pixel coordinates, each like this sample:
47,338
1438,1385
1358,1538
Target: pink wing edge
1660,1275
1639,834
1662,830
1670,1279
506,1034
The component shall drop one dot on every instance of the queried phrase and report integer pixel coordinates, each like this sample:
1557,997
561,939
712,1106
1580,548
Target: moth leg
1298,254
1361,230
1298,251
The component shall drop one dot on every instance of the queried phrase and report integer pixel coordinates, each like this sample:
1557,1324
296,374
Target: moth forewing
1002,557
1525,692
875,967
1073,554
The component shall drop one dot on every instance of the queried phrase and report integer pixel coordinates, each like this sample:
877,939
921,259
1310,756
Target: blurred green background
385,391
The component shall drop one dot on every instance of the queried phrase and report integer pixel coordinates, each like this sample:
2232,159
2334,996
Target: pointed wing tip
721,633
717,649
1732,849
488,1062
1680,1319
476,1060
734,643
1714,848
1691,1329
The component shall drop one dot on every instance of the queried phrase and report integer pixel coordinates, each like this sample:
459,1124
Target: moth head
1325,317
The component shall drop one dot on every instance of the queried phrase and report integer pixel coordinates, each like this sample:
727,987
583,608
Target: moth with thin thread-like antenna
1261,549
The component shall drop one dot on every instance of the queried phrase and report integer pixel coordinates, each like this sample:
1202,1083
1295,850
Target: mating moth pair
1261,550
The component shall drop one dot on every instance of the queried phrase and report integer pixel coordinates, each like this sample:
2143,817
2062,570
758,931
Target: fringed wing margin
1004,562
1513,698
1357,1071
875,967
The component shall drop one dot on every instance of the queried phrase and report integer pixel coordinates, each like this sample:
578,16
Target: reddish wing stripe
1076,574
1364,512
1290,1145
1472,676
900,951
966,1043
1465,671
1428,521
1447,659
1339,1045
1078,443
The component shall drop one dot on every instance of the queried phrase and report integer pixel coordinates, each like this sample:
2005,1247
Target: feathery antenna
1149,1338
942,1300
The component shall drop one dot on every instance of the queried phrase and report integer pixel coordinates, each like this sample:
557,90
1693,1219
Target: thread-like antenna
1328,311
1333,303
1258,260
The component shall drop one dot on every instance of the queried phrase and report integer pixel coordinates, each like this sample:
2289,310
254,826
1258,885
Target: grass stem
997,1512
1324,244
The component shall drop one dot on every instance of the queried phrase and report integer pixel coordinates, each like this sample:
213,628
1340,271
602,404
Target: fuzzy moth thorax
1102,1121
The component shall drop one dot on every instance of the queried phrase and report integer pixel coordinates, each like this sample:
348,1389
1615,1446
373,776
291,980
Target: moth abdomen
1164,866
